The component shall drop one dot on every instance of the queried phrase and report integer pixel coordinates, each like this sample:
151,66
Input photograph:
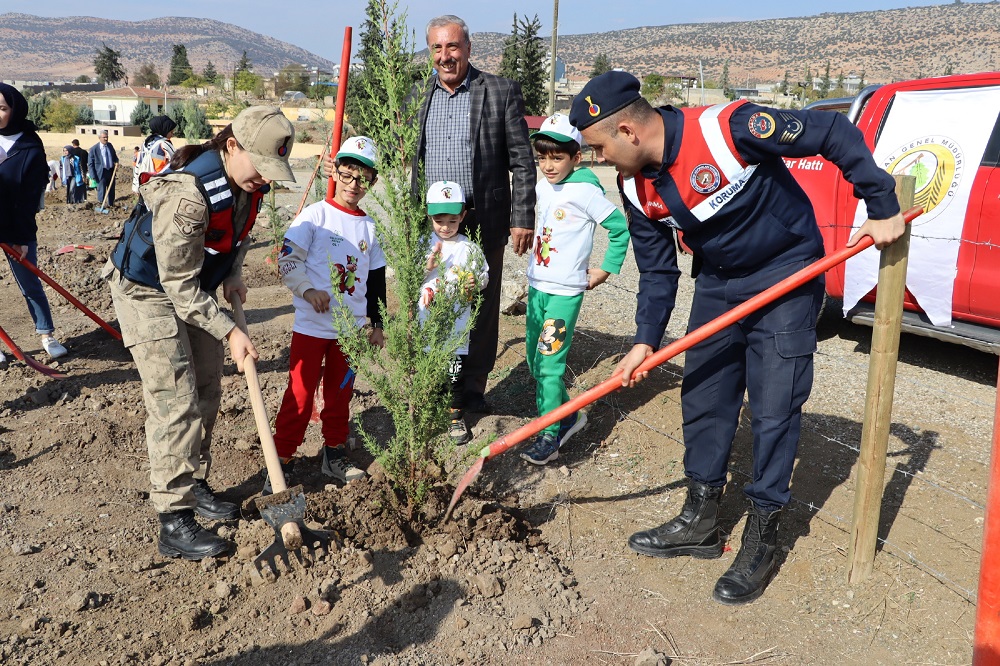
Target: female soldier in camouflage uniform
202,209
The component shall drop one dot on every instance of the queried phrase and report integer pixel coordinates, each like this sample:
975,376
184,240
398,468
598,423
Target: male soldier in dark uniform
717,174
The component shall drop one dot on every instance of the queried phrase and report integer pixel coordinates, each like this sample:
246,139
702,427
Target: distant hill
886,45
40,48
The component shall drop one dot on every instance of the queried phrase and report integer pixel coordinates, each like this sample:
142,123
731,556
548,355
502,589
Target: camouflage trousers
181,370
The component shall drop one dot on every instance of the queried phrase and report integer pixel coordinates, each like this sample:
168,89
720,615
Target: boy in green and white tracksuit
570,205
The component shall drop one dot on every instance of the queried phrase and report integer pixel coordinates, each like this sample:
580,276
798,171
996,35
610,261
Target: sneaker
543,450
287,471
339,466
458,431
53,347
570,426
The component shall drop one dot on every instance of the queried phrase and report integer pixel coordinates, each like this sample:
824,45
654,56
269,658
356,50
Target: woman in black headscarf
23,175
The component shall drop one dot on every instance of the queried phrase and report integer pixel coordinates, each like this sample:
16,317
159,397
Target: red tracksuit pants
305,364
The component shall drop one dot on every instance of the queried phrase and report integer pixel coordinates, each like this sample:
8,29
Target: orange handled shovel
673,349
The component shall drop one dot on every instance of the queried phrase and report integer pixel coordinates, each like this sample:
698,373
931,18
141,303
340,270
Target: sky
319,26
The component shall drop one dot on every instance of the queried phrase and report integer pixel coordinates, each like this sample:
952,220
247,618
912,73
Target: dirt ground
534,568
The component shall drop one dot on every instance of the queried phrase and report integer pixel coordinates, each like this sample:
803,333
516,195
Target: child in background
332,233
571,203
455,262
72,176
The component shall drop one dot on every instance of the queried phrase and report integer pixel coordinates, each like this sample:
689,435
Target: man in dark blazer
494,162
100,165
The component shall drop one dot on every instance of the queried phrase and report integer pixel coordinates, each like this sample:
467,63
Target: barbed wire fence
964,589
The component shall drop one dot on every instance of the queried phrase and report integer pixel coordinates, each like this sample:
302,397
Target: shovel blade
469,477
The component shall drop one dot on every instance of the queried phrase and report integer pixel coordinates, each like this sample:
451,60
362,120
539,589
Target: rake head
288,506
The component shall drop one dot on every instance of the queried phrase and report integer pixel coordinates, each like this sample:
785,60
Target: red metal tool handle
683,344
30,362
338,120
65,294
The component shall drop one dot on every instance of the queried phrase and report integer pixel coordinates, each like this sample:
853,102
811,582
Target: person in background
156,149
72,176
101,163
83,155
23,174
54,176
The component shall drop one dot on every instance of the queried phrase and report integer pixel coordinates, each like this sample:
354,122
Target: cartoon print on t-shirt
347,275
543,247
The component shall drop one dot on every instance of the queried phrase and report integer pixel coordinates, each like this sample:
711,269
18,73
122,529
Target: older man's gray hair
102,133
442,21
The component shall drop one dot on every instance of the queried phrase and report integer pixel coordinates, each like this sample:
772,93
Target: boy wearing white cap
330,246
458,265
571,203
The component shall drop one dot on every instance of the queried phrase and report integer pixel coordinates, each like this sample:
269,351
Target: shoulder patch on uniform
761,125
189,218
793,128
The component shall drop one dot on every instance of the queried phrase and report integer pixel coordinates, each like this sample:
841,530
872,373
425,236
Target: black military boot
210,506
182,536
694,532
754,566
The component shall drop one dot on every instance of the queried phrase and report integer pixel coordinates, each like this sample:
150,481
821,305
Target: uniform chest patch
705,179
560,214
363,246
761,125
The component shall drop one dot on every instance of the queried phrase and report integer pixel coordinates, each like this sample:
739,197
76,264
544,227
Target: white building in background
115,107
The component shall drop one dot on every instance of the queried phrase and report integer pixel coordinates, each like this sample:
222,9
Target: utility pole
701,73
552,57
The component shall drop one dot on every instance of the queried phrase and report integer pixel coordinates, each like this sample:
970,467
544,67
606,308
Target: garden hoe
673,349
285,510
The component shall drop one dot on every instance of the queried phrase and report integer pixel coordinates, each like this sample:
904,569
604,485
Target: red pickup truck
940,166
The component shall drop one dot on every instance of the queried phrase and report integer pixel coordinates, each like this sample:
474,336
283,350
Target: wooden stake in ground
878,404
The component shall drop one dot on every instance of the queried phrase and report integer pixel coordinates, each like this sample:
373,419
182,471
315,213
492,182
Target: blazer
500,146
95,163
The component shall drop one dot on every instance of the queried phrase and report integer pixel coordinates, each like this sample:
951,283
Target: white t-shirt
335,240
6,143
460,257
567,216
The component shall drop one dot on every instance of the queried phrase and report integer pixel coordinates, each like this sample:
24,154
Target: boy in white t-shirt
571,203
455,264
331,235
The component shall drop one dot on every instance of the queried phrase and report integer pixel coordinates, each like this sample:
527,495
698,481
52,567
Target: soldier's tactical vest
135,255
708,171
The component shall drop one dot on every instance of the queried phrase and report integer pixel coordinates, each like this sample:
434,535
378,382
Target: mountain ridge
884,45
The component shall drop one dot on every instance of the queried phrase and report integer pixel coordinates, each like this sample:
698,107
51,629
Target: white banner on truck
939,137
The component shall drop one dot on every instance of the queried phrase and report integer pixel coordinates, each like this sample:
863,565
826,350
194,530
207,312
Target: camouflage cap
267,136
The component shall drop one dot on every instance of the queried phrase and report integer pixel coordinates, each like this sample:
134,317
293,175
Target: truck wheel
831,312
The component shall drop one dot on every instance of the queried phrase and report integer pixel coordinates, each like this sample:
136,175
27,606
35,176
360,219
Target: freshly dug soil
532,569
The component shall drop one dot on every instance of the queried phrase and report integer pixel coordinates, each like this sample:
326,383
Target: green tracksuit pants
551,322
